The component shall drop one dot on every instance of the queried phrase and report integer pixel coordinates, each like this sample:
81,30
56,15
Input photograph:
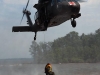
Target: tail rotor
24,10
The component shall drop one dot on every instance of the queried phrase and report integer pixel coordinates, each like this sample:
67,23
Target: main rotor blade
27,5
81,0
22,18
24,10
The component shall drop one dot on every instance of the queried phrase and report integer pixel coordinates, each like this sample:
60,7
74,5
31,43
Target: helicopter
50,13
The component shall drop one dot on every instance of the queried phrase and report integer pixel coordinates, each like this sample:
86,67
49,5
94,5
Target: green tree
70,48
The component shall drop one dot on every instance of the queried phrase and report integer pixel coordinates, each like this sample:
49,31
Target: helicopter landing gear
46,25
35,36
73,23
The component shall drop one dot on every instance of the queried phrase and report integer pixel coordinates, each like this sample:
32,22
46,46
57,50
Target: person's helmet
48,64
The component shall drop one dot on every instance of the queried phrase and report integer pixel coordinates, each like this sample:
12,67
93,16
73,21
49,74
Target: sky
16,45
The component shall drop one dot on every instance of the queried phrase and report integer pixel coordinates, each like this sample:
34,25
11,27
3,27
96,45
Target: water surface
59,69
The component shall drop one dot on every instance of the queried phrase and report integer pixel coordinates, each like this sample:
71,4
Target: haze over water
59,69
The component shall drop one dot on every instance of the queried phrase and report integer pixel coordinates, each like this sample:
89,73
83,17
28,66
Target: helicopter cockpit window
61,0
58,0
52,3
71,0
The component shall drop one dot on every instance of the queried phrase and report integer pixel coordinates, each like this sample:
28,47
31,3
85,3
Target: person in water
48,69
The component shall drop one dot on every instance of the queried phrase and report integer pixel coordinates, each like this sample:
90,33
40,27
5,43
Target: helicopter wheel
73,23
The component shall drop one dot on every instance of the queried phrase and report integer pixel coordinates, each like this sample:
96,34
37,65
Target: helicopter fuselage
59,13
50,13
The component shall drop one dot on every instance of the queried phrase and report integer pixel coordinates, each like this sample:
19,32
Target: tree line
71,48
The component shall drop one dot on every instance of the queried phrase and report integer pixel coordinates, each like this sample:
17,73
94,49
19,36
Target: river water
59,69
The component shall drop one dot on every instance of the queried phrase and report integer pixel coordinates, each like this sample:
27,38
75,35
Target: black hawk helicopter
50,13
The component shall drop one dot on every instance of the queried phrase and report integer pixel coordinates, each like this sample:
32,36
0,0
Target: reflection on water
59,69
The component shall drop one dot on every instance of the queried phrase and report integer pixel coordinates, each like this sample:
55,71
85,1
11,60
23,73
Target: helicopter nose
75,9
66,6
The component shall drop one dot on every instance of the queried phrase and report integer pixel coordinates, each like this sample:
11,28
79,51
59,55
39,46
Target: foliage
70,48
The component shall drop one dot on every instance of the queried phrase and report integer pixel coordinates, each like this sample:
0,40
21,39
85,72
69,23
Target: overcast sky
16,45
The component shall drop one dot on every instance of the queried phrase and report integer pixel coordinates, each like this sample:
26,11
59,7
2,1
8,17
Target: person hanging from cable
48,69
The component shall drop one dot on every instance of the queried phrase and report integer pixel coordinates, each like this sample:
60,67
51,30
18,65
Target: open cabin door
36,16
